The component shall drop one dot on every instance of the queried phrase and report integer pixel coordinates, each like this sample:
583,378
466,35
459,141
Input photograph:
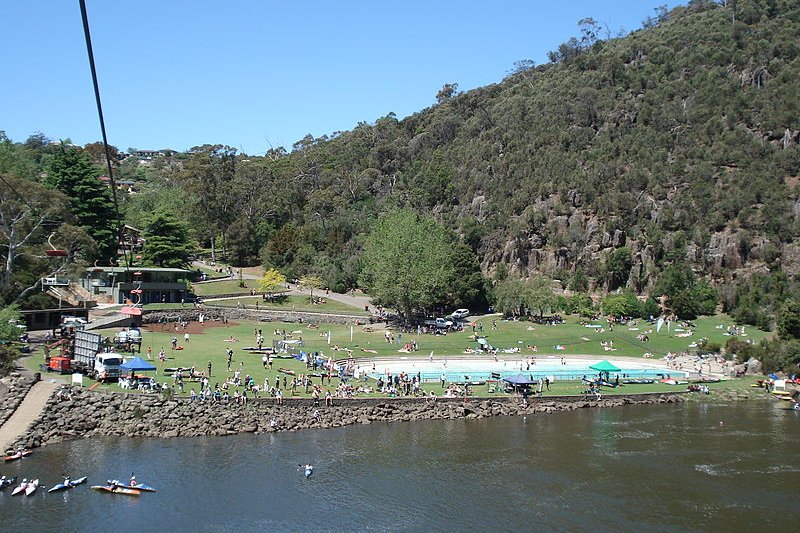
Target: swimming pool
459,370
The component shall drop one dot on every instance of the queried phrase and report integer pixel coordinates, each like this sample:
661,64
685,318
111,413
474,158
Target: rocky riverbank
89,414
13,389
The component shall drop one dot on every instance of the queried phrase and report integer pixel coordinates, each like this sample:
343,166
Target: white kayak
19,489
31,488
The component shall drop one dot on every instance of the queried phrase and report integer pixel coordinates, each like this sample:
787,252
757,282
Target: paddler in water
132,482
308,469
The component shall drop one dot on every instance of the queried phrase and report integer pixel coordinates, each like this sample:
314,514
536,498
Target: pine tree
71,171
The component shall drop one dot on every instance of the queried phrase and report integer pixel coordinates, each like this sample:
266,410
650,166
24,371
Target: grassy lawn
292,303
212,345
226,286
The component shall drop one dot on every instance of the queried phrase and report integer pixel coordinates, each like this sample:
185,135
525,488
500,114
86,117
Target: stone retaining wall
236,314
13,389
90,414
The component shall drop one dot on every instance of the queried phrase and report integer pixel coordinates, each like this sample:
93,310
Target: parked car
439,323
460,314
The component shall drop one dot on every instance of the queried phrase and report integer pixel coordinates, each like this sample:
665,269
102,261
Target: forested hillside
678,142
667,154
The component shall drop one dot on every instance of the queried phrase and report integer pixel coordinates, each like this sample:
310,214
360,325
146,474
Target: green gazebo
604,367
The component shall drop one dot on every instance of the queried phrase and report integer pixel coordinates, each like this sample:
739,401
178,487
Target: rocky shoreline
90,414
13,389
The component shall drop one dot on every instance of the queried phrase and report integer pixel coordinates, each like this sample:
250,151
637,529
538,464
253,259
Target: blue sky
254,74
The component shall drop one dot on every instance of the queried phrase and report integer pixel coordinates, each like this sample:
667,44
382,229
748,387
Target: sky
257,75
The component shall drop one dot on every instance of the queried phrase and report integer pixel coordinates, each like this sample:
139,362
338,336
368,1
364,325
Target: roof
519,379
137,269
604,366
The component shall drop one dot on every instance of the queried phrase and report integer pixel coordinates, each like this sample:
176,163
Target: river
633,468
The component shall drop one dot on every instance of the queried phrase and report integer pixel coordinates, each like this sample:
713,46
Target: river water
633,468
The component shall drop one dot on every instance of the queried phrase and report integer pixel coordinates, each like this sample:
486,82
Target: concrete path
28,411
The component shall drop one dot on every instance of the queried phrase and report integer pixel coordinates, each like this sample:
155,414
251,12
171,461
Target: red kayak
19,455
116,490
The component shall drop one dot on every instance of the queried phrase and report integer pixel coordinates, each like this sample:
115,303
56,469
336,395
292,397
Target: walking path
28,411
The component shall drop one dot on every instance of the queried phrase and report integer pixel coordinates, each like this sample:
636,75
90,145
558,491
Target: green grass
292,303
227,286
211,346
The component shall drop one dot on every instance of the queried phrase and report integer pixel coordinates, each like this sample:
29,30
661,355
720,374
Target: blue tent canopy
138,364
519,379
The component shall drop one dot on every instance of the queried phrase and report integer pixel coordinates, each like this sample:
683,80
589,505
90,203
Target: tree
618,267
70,171
522,65
310,283
24,226
539,295
509,297
468,286
208,175
447,91
624,303
271,281
789,320
9,333
166,241
407,262
686,296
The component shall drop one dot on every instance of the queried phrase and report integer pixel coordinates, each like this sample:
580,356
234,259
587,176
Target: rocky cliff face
583,240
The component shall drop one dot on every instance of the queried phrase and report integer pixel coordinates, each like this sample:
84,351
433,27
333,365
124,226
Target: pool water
481,370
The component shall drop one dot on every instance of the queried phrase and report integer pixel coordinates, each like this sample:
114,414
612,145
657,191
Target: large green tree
9,318
208,177
167,241
70,170
407,262
686,296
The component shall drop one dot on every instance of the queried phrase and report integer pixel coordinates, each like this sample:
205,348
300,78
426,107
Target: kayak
7,482
19,489
31,488
19,455
141,488
637,381
116,490
72,483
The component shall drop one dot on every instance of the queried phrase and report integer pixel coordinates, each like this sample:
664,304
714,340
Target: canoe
31,488
116,490
19,455
172,370
7,482
19,489
72,483
142,487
